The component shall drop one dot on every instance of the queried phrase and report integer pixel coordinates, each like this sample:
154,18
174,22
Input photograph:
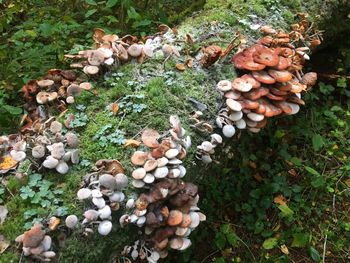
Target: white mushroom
84,193
50,162
224,85
105,227
62,167
228,131
71,221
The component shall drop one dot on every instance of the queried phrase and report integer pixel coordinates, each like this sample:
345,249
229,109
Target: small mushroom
44,83
55,127
139,173
105,227
175,218
121,180
50,162
228,131
224,85
108,181
139,158
38,151
73,90
91,70
71,221
135,50
84,193
62,167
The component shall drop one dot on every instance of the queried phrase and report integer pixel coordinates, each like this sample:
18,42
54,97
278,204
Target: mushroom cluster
206,150
271,83
12,151
102,195
52,149
57,89
36,243
167,206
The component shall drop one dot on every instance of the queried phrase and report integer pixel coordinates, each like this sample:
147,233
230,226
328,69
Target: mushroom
71,221
91,70
105,227
38,151
73,90
135,50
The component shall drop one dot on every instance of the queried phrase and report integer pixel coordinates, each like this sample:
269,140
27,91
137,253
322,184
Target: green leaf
91,2
300,239
341,82
220,260
318,182
312,171
12,110
317,142
90,13
220,240
314,254
232,238
286,211
296,161
270,243
111,3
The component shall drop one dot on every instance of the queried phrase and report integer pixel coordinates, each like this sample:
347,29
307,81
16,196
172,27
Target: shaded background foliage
304,158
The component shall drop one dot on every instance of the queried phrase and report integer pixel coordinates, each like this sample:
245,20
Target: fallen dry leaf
189,39
132,143
114,108
293,172
3,213
280,199
53,223
347,182
7,162
284,249
258,177
4,244
189,62
180,66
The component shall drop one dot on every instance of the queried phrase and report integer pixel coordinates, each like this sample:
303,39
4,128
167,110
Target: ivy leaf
111,3
317,142
300,239
314,254
270,243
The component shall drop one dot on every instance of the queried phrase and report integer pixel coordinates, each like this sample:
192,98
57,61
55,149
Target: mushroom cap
255,117
216,138
175,218
107,53
122,53
72,139
186,221
45,83
149,178
50,162
71,221
207,146
263,77
38,151
139,158
117,197
57,150
46,243
309,79
233,105
150,165
194,219
167,50
161,162
176,243
33,237
108,181
266,56
235,116
148,50
62,167
84,193
42,97
267,30
139,173
161,172
273,97
75,154
105,212
69,75
224,85
135,50
70,100
242,84
283,63
138,183
73,90
122,181
249,78
232,94
91,70
228,131
91,215
55,127
241,124
99,202
241,61
280,75
105,227
171,153
249,104
150,138
186,244
96,57
85,85
18,155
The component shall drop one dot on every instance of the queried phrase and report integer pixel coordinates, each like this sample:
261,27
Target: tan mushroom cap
309,79
42,97
175,218
249,78
283,63
280,75
186,221
73,90
70,100
135,50
139,173
150,165
242,84
85,85
150,138
263,77
96,57
122,53
91,70
256,93
246,62
45,83
139,158
33,237
266,56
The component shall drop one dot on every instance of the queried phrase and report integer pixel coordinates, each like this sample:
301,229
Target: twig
324,249
210,255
